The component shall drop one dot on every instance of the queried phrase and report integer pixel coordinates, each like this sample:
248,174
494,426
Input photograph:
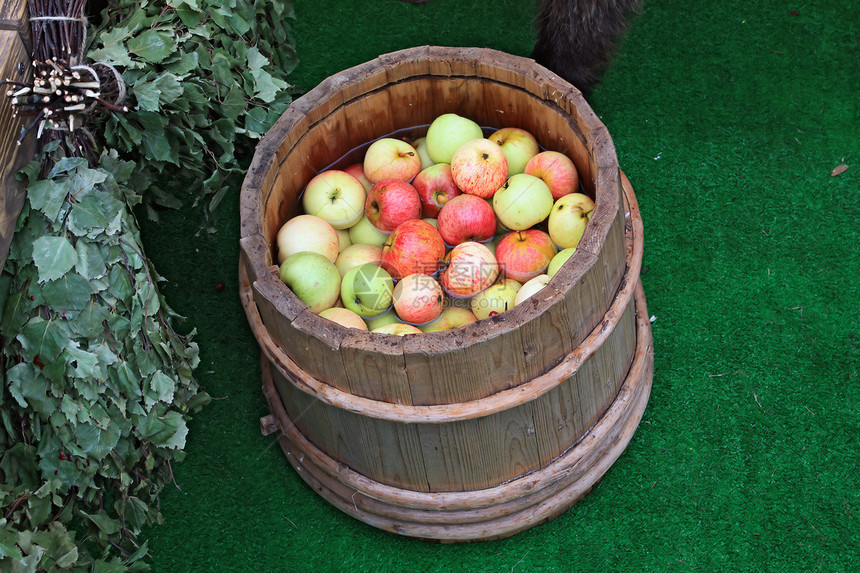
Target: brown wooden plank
12,156
14,16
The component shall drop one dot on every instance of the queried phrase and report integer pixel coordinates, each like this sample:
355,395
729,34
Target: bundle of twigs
64,91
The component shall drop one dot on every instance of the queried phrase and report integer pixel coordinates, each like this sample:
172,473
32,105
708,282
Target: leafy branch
207,79
99,387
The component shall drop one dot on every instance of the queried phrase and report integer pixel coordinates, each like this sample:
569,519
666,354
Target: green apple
381,320
366,232
420,146
367,290
313,278
451,317
530,288
559,259
496,299
343,239
335,196
448,132
518,145
568,219
344,317
522,202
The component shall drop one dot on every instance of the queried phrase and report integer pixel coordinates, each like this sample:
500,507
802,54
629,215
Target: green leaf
163,386
95,441
234,104
54,257
96,214
266,87
113,50
167,431
42,338
256,120
70,292
84,364
105,524
152,45
30,389
147,95
186,62
48,196
169,87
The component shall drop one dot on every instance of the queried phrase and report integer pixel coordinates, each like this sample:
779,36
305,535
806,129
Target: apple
415,246
383,319
495,299
556,170
523,255
567,220
433,221
468,269
448,132
451,317
357,171
343,240
420,146
522,202
390,158
344,317
367,290
335,196
307,233
479,167
518,145
492,244
530,288
397,328
466,218
435,186
365,232
418,298
313,278
559,259
358,254
391,202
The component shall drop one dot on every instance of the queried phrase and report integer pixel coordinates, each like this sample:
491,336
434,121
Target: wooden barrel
473,433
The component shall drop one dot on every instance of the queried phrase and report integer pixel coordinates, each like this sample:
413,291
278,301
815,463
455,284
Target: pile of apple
434,234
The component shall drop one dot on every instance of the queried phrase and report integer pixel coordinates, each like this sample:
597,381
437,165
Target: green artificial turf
728,117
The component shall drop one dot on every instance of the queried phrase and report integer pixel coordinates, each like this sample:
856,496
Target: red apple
391,202
436,187
524,255
556,170
357,171
479,167
390,158
468,269
415,246
466,218
418,298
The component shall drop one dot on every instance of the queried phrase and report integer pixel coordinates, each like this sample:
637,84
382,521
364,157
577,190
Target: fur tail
577,38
